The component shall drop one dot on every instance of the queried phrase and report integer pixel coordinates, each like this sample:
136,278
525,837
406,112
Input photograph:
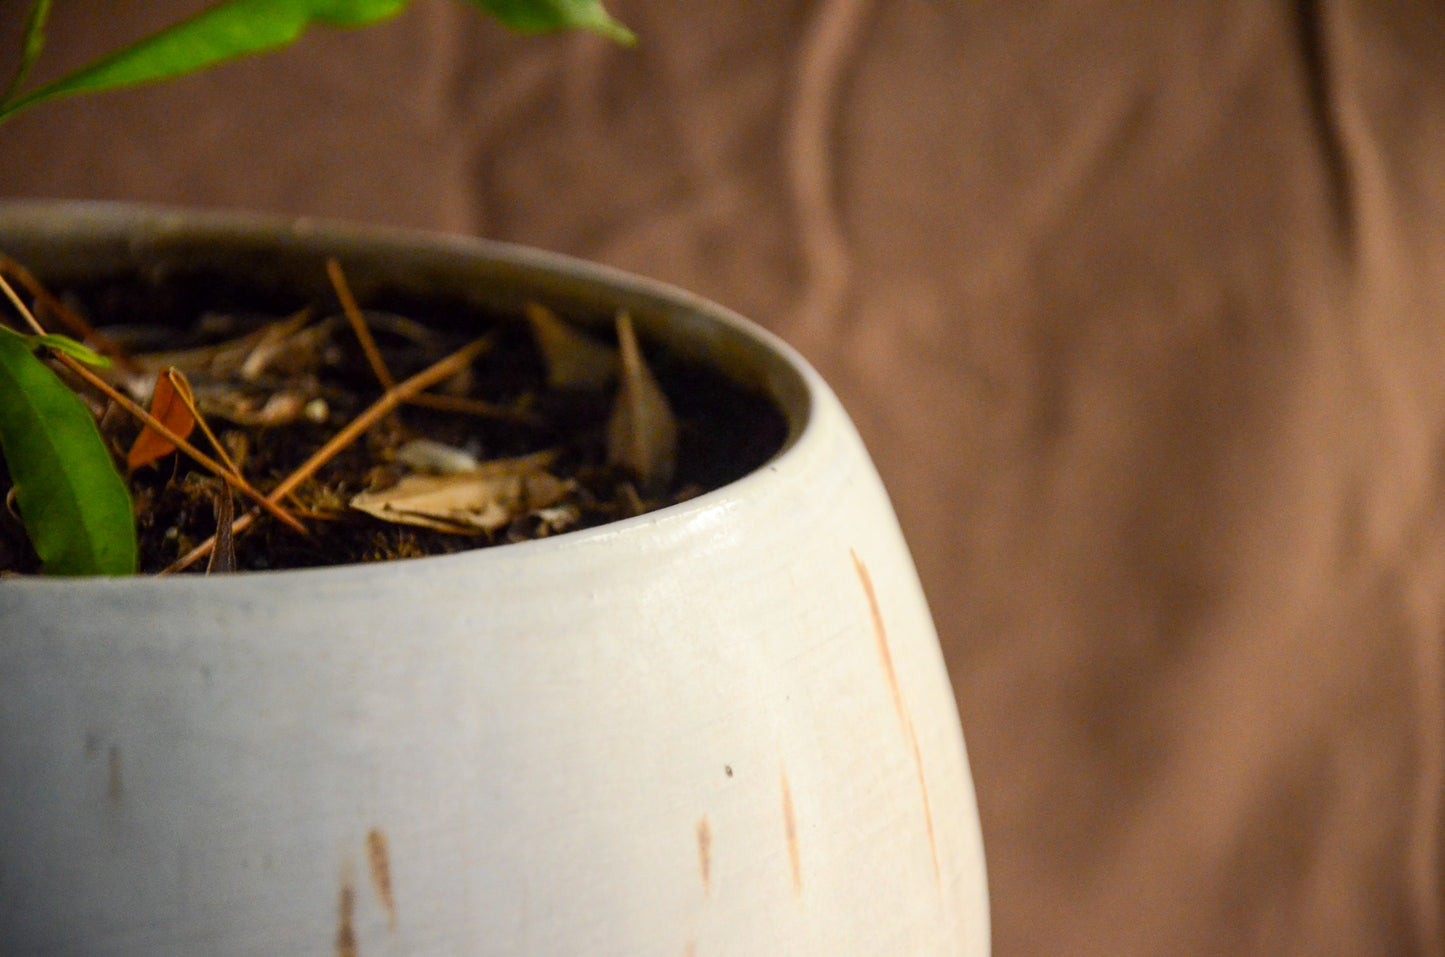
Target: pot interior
280,263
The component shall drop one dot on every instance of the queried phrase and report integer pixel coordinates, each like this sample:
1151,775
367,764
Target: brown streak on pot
790,829
379,861
115,787
927,804
690,950
905,718
880,635
345,933
704,853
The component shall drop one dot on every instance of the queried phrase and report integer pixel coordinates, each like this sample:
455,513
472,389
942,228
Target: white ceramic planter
722,728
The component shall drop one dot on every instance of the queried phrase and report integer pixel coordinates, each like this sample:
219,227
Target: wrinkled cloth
1140,310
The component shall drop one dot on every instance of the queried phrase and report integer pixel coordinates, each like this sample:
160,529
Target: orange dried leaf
169,404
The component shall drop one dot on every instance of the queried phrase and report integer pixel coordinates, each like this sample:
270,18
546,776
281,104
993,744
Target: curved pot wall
721,728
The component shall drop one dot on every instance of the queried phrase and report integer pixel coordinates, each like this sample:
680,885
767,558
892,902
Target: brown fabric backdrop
1140,309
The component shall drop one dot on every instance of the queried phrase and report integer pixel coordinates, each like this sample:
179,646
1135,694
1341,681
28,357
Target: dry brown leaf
436,458
573,361
239,358
223,556
248,407
287,348
480,501
170,405
556,518
642,433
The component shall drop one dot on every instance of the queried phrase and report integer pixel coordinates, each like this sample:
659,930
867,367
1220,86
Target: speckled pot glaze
721,728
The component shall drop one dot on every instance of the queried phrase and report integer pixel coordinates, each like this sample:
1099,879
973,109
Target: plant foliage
238,28
75,506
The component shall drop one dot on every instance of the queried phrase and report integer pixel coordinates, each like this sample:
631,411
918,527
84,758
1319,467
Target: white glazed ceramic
722,728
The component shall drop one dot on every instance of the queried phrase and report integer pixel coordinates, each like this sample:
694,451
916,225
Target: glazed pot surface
721,728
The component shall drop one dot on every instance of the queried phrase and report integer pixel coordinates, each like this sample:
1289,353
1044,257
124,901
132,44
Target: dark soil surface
723,432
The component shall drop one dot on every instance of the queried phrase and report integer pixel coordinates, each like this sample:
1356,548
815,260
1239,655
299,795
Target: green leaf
538,16
72,500
30,47
71,348
224,31
233,29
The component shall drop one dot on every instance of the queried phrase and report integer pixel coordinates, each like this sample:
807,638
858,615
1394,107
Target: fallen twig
442,369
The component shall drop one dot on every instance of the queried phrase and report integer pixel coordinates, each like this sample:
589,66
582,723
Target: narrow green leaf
538,16
232,29
31,46
71,348
224,31
72,500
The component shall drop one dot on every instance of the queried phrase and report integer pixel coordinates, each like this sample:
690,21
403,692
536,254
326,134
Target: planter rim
800,397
